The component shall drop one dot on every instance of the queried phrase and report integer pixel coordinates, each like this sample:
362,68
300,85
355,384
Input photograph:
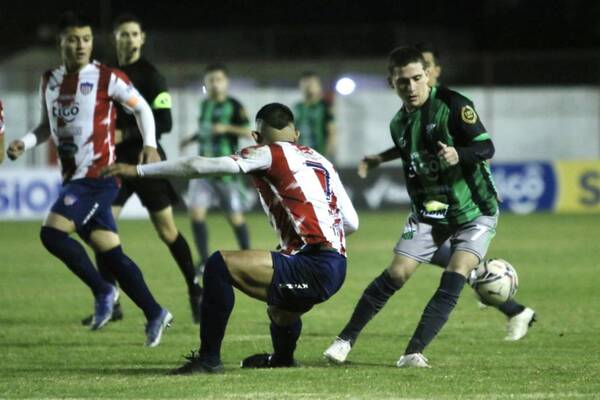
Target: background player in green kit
223,120
444,147
157,195
314,116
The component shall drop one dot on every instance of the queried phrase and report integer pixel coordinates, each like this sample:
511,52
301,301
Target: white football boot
414,360
518,325
338,351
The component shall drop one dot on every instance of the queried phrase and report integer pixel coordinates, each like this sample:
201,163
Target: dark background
494,41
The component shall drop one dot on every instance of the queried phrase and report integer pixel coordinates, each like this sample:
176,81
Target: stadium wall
527,123
524,187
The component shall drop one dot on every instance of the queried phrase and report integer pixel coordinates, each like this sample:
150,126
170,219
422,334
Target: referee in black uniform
157,195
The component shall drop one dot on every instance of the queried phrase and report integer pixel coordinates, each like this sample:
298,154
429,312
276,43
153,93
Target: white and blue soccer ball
495,281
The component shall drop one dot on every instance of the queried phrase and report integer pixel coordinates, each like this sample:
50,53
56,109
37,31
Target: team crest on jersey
69,200
86,87
468,114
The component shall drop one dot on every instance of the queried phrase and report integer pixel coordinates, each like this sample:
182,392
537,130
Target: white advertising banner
28,194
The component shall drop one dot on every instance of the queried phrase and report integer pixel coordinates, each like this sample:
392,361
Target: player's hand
120,170
149,155
219,129
15,149
447,154
368,163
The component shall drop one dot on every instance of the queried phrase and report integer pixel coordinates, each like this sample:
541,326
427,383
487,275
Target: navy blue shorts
302,280
87,202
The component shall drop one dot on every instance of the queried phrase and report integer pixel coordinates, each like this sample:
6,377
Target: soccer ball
495,281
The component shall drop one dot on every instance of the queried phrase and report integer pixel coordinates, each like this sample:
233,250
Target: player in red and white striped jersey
78,112
308,207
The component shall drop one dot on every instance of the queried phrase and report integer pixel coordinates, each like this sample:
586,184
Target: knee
167,234
215,267
281,317
51,237
237,219
399,274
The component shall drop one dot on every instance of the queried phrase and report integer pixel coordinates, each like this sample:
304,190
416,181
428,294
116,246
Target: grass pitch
46,353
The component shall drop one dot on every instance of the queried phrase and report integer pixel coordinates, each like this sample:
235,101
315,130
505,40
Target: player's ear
143,37
256,136
297,132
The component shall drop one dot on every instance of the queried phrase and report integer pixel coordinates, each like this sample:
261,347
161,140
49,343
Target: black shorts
155,194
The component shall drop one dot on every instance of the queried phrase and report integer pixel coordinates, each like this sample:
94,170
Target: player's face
410,83
433,68
76,45
216,83
129,40
310,87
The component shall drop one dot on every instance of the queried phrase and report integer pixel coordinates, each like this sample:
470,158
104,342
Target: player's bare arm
331,139
373,161
189,140
237,130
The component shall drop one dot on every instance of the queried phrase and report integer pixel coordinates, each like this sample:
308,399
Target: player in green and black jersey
444,147
157,195
222,122
314,116
519,317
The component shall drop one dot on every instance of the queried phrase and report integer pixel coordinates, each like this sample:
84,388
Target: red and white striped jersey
82,115
301,193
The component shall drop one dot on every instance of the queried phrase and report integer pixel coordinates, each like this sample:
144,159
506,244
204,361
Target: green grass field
46,353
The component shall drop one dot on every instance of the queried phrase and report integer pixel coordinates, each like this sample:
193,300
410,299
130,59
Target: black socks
437,311
372,301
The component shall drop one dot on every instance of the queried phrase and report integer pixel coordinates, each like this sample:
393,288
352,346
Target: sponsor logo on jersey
468,114
86,87
424,164
65,111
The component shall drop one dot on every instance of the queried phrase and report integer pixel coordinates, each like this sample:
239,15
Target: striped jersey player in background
79,114
157,195
222,122
311,213
314,116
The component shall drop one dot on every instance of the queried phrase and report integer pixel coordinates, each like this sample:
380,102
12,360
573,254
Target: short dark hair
427,47
401,56
216,67
309,74
70,19
124,18
276,115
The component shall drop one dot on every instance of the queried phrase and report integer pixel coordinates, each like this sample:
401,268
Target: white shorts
204,193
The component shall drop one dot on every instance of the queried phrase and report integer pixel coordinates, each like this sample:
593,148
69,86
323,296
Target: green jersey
312,121
228,112
440,193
